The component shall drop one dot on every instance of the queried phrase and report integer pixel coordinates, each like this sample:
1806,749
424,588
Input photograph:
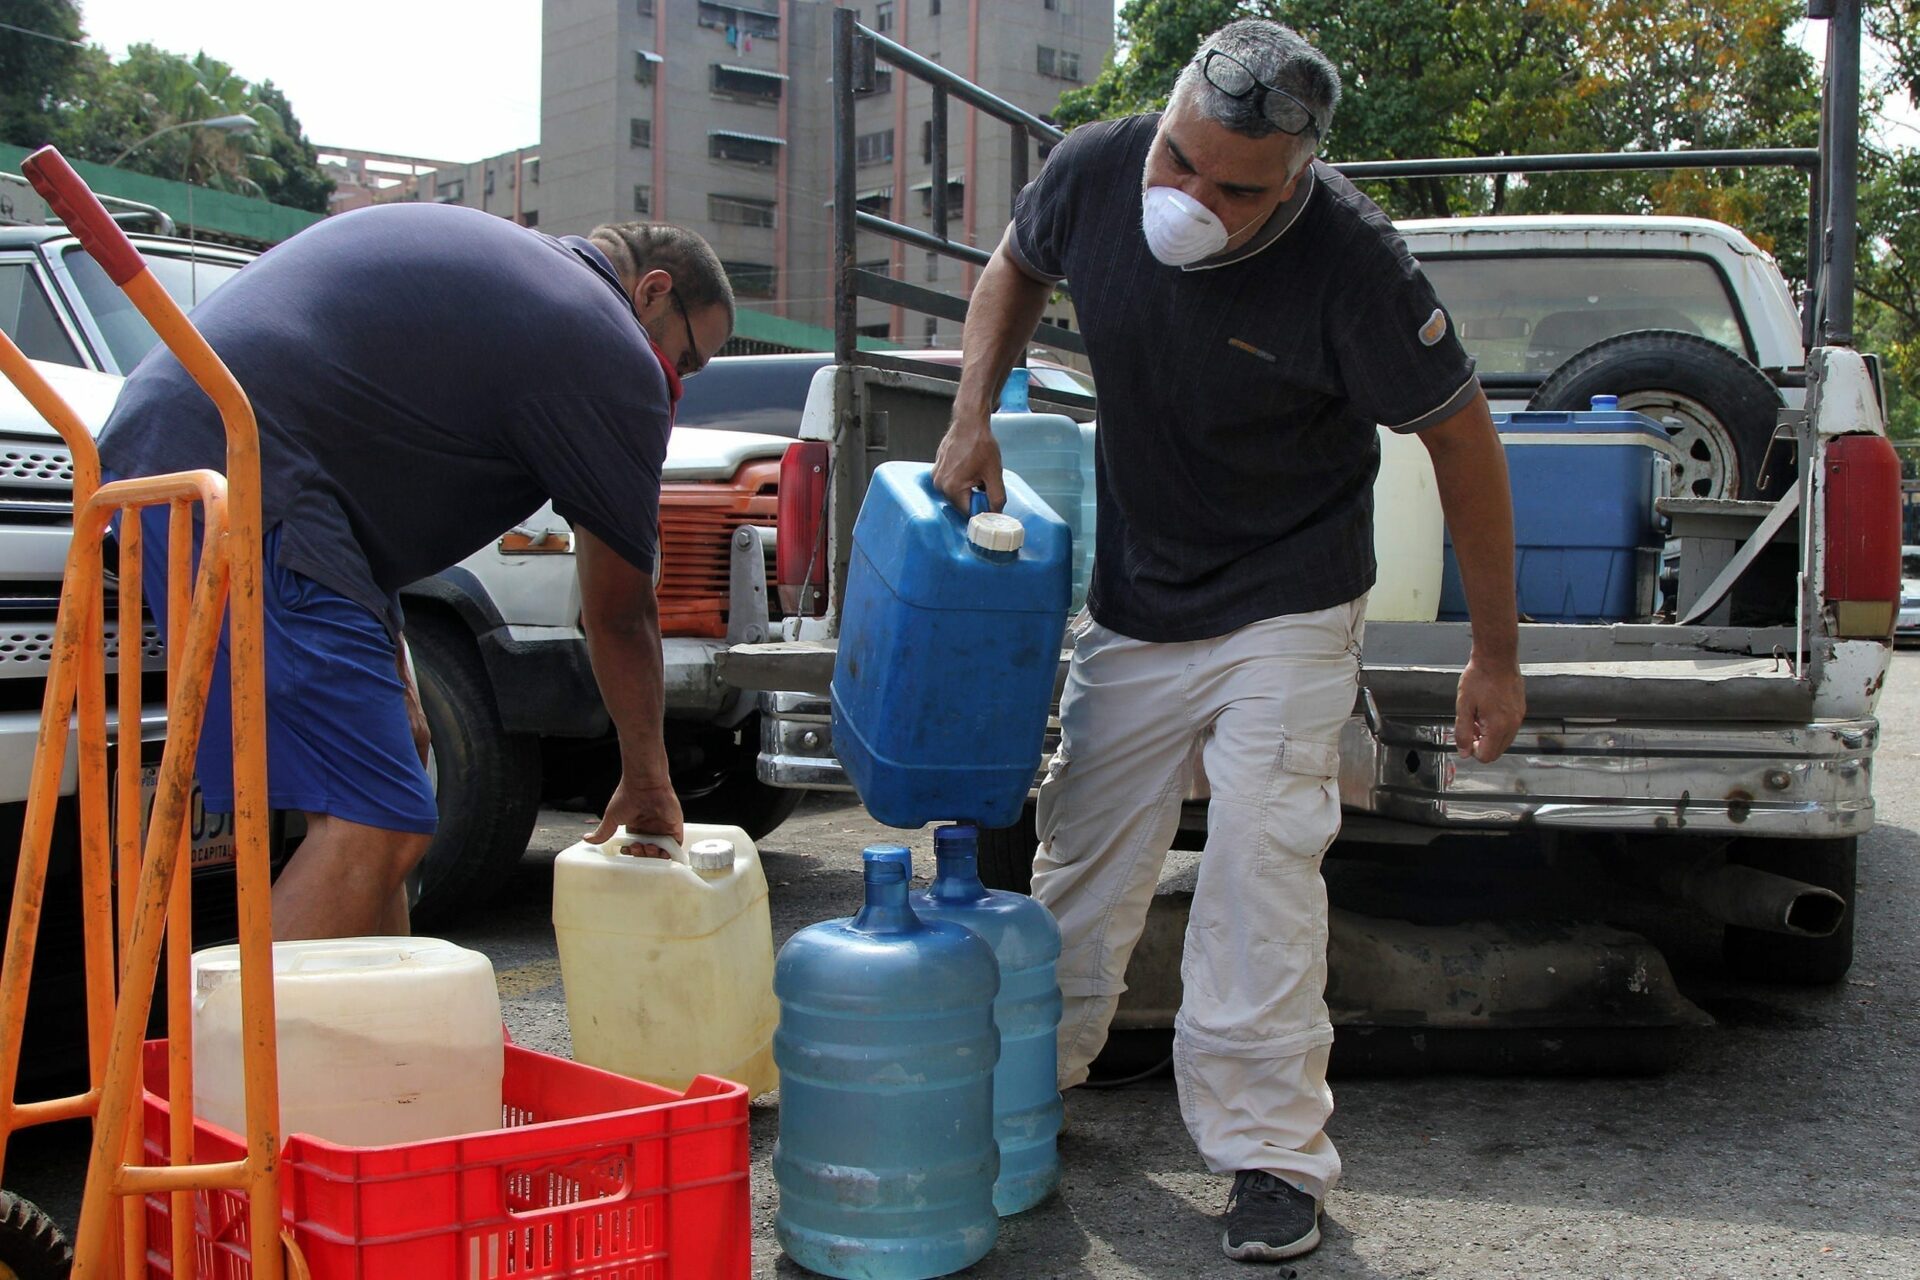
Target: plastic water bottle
1026,942
1046,450
949,645
886,1048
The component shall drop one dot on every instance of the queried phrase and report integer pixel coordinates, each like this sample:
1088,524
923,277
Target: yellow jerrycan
668,961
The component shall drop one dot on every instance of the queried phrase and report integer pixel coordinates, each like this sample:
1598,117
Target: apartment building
719,116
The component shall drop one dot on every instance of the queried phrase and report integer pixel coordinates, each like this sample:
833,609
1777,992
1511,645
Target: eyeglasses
693,348
1232,77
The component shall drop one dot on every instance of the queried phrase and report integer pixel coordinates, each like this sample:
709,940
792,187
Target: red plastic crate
592,1175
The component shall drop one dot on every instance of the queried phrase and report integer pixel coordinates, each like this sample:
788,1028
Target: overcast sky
444,79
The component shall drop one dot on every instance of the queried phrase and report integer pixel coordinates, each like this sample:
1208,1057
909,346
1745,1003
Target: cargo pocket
1302,810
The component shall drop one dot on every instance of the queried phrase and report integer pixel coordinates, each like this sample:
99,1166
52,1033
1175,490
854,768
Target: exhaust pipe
1737,895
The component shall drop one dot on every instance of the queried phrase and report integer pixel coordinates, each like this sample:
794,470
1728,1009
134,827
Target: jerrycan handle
977,502
634,845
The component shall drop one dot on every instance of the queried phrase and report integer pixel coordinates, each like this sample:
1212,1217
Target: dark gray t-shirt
424,376
1239,396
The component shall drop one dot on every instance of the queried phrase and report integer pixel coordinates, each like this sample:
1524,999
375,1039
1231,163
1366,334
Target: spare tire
1717,406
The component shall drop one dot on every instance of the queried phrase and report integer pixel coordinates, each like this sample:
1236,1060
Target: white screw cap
996,531
710,855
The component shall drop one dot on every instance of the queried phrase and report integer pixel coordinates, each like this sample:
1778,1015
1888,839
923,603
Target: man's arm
622,621
1001,317
1470,467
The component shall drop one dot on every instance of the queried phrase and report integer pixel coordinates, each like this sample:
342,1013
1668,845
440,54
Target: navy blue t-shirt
1239,396
425,376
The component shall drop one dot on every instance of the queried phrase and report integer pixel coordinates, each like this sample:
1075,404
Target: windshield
749,395
1529,313
128,335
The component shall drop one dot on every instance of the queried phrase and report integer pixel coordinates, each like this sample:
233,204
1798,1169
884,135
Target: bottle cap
883,858
1601,404
710,855
996,531
1013,396
959,838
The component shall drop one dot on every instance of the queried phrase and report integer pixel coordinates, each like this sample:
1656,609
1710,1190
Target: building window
643,65
451,191
743,148
933,8
489,186
926,142
879,202
643,200
739,24
645,8
751,279
530,218
932,331
1059,63
933,267
746,83
1051,6
874,148
883,16
639,132
741,211
533,171
956,196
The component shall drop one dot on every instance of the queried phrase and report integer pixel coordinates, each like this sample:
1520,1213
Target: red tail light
1863,536
800,560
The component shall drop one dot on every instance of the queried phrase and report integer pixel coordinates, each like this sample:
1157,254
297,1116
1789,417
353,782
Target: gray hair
1276,55
635,248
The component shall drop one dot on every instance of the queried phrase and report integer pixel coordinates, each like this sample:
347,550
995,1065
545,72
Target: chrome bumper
1787,781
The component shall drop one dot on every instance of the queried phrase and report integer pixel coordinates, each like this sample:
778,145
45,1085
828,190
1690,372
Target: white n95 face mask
1179,229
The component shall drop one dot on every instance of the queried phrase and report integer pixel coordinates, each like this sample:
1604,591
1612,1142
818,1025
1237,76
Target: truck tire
723,787
31,1245
1777,957
1006,854
1719,409
486,780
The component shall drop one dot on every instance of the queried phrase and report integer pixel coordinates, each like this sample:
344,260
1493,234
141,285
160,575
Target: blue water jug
886,1048
949,644
1046,450
1026,942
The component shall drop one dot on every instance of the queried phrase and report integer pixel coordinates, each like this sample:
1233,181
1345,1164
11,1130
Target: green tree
36,70
302,184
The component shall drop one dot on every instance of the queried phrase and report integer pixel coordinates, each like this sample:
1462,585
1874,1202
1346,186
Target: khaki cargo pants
1259,713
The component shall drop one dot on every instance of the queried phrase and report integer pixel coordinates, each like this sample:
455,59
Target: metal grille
41,466
29,650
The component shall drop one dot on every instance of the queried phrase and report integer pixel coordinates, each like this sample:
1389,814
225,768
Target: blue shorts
338,741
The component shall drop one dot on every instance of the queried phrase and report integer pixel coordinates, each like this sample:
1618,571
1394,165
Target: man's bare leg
346,880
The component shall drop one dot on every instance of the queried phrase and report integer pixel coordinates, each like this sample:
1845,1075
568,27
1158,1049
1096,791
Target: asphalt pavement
1782,1140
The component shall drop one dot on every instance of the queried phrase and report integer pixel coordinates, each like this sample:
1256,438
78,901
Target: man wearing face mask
1250,317
425,377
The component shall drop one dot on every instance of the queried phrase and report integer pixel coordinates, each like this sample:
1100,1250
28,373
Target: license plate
212,833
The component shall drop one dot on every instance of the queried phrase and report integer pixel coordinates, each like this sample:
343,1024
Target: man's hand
1488,709
644,808
969,459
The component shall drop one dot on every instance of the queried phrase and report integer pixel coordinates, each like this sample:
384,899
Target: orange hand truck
153,893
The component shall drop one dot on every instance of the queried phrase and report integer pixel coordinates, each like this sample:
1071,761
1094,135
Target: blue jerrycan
885,1160
1026,942
1047,451
949,643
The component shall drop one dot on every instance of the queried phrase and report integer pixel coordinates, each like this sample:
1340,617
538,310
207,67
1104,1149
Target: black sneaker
1269,1219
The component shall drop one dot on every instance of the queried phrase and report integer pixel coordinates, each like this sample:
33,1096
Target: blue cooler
949,643
1586,542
